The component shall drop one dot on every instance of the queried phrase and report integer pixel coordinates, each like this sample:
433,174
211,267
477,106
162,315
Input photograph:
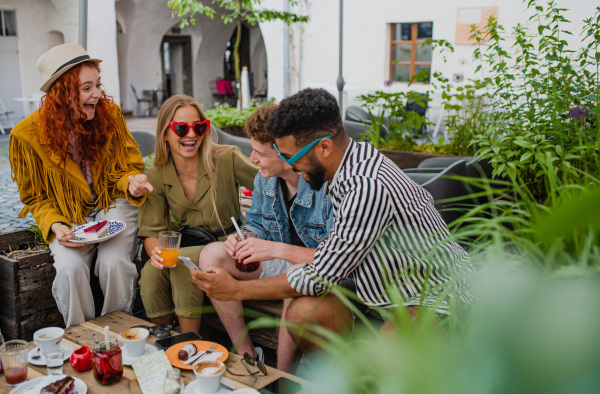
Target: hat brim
46,87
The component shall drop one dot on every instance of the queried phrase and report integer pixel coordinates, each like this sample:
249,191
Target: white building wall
366,39
102,43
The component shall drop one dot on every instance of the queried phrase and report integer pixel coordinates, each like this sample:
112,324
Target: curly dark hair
256,125
307,115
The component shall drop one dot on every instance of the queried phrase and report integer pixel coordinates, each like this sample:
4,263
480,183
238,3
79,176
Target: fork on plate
210,349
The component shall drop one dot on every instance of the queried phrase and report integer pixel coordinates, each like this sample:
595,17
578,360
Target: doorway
176,58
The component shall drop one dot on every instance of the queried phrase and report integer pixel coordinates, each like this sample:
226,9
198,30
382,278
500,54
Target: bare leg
188,324
230,312
287,351
325,311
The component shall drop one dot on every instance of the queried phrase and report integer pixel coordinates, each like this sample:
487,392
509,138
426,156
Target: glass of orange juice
168,242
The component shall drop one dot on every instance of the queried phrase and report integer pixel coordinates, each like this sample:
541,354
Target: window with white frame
8,23
407,58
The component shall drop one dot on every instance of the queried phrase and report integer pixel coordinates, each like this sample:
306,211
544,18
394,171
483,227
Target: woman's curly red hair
61,113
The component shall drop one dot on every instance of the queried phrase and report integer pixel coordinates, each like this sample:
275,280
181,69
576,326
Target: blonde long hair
209,150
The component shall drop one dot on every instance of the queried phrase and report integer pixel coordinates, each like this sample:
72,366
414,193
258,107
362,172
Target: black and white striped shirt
386,235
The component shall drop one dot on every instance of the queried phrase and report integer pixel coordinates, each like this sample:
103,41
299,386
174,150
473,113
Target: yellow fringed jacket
54,194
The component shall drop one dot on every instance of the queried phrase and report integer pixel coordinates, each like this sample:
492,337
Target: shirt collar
304,194
329,185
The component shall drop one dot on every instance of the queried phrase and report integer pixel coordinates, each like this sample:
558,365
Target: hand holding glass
251,266
168,242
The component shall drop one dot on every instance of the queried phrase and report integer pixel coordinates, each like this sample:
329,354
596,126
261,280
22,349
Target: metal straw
238,229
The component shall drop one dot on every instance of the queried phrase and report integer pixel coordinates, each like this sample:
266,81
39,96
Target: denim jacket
311,213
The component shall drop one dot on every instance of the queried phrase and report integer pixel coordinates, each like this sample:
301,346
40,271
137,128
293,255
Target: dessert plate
200,345
42,360
36,385
128,360
114,228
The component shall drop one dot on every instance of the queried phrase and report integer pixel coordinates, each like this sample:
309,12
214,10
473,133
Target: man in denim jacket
289,220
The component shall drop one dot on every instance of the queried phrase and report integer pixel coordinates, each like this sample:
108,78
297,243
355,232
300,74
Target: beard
316,175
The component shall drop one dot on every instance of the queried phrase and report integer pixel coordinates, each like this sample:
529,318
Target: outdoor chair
222,91
442,188
228,139
357,114
141,100
355,130
5,112
146,141
474,168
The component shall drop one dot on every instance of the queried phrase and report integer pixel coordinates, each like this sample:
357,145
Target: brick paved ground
10,205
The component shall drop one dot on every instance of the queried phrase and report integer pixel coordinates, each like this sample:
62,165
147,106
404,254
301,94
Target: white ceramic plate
114,228
42,360
127,360
36,385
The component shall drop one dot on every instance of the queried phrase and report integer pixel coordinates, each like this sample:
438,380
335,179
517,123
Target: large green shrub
543,96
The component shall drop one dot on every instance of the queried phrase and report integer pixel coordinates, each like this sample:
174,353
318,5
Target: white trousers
71,287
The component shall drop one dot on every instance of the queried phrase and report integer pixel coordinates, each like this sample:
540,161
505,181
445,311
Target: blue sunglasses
300,153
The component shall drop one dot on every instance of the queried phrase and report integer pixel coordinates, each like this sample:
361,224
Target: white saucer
36,385
128,360
42,360
194,387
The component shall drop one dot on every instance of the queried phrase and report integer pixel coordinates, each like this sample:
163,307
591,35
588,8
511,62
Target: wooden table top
82,334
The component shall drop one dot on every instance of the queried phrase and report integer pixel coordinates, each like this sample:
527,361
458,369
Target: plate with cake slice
94,232
53,384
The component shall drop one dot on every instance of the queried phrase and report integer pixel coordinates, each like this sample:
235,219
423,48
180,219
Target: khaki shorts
274,267
172,289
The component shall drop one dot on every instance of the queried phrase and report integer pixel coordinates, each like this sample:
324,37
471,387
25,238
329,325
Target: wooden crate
26,289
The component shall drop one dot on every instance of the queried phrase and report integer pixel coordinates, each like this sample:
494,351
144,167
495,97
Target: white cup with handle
134,341
48,338
208,374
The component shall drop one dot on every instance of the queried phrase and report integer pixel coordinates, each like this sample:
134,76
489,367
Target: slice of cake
95,231
65,385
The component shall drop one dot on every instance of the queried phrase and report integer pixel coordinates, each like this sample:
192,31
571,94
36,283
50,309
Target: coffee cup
48,338
134,341
209,373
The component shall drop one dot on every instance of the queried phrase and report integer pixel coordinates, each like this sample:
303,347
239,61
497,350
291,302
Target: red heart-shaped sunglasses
182,129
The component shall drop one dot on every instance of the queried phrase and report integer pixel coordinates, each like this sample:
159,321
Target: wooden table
117,321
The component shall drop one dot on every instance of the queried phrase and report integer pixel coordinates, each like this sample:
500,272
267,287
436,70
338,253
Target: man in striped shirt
387,235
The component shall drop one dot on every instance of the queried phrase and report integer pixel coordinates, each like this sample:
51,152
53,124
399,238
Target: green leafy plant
543,100
389,109
225,115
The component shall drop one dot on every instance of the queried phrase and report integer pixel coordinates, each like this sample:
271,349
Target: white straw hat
59,60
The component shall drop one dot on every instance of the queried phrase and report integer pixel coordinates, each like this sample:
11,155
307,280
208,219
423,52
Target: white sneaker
260,356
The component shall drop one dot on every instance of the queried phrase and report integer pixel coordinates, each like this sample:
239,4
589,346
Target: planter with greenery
404,142
230,119
26,275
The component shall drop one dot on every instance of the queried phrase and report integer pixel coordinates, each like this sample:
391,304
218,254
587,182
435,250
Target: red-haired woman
75,162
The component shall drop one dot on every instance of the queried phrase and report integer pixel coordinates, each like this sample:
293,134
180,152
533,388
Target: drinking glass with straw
242,235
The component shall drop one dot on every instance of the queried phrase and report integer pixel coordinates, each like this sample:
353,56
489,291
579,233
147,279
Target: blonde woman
198,181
